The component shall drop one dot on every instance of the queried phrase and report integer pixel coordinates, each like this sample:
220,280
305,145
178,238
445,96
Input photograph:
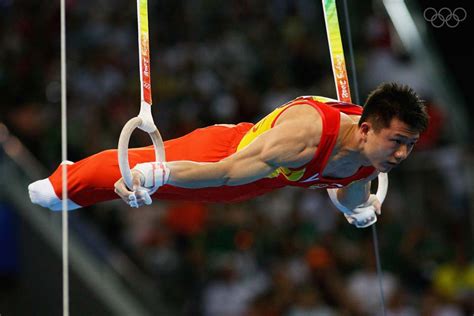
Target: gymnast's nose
401,153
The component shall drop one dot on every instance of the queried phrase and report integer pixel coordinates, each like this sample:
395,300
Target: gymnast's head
390,125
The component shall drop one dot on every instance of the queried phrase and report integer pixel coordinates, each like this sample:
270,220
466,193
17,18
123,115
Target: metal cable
65,233
356,94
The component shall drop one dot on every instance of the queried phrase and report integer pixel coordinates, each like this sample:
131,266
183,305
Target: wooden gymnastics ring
381,193
146,125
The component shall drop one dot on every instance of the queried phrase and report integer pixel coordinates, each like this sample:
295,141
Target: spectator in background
453,281
398,304
308,303
228,293
363,284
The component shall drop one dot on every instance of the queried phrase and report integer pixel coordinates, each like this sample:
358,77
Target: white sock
42,193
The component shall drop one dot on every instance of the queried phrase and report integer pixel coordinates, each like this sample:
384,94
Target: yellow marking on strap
323,99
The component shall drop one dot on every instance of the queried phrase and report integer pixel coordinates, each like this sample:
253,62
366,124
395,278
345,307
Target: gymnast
310,142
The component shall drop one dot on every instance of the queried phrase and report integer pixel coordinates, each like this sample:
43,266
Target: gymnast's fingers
377,206
121,190
143,197
137,180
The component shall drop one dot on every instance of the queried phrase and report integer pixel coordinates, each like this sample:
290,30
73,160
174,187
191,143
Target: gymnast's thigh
207,144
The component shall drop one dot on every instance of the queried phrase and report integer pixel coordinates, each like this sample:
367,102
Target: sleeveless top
310,175
307,176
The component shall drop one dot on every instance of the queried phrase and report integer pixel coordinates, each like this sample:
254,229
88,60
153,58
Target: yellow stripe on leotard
262,126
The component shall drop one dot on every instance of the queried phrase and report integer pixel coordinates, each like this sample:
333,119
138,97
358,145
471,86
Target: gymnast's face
387,147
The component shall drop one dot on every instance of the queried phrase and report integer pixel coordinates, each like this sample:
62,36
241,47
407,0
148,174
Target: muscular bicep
291,143
247,165
281,146
259,159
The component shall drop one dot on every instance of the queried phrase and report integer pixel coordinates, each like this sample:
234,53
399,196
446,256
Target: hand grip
381,193
124,141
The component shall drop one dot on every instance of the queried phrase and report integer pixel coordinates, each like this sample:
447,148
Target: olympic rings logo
445,16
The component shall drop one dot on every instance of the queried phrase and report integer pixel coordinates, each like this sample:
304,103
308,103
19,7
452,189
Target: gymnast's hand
146,179
365,214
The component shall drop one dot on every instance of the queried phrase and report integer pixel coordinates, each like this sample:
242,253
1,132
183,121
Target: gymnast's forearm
190,174
354,195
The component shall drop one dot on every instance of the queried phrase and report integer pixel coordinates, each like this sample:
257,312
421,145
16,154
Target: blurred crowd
287,253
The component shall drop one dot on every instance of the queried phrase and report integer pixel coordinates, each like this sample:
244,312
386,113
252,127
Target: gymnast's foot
42,193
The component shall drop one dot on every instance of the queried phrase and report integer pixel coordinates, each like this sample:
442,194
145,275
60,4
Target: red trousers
91,180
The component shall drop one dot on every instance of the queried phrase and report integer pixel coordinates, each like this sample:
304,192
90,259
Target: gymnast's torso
91,180
310,175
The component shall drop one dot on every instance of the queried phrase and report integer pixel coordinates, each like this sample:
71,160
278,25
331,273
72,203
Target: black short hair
393,100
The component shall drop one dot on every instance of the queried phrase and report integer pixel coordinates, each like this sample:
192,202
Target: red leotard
91,180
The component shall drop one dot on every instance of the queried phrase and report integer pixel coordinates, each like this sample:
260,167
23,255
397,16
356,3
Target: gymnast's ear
364,129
